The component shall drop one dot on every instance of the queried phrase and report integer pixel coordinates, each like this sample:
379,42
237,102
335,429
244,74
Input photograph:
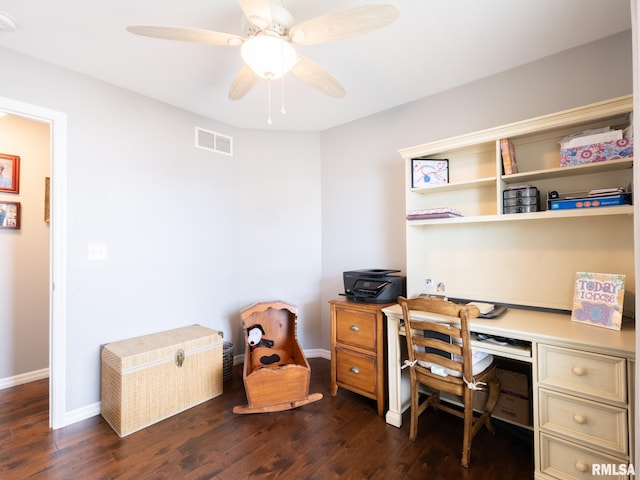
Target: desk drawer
597,376
562,459
356,328
599,425
356,371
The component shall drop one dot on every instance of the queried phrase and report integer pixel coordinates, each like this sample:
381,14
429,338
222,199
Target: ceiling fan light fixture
269,56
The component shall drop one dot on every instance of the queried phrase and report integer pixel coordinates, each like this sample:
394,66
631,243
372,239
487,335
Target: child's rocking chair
276,373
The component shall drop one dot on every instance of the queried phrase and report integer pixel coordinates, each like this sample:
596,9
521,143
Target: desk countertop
550,328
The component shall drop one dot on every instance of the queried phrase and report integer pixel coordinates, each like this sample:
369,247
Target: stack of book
442,212
605,197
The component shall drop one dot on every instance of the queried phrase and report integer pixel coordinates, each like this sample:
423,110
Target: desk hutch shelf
531,260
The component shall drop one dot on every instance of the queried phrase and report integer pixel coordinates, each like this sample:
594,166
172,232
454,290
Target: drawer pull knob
581,467
579,371
355,370
355,328
581,419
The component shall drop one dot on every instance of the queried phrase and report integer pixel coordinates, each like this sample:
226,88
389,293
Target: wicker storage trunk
150,378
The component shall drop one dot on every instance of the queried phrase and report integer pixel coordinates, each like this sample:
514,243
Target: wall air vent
215,142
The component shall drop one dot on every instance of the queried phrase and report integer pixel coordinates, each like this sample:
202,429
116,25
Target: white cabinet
583,398
519,258
584,411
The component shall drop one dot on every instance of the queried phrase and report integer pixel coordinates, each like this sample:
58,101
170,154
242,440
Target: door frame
57,247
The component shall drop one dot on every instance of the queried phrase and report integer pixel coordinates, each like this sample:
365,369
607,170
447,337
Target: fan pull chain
282,66
269,100
282,110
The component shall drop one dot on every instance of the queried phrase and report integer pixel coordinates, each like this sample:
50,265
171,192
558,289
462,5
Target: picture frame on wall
9,173
429,172
47,199
10,215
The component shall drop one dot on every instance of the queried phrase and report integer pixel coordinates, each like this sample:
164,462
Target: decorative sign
598,299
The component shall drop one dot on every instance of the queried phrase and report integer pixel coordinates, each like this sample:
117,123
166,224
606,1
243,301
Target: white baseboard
82,413
93,409
24,378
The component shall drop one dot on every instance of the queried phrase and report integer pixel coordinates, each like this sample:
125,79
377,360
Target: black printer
374,285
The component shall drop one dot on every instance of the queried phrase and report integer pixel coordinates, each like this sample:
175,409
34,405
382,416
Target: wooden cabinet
357,349
584,411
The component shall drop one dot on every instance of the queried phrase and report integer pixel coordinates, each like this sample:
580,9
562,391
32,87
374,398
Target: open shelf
600,167
514,217
451,187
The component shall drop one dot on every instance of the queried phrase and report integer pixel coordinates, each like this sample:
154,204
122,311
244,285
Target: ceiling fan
270,36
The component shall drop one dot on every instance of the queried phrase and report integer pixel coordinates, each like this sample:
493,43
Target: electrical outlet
97,251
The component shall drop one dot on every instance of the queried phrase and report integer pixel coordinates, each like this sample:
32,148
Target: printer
374,285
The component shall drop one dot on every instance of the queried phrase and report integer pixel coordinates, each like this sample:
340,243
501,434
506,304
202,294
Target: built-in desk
582,384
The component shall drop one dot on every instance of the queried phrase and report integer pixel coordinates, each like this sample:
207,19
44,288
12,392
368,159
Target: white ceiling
433,46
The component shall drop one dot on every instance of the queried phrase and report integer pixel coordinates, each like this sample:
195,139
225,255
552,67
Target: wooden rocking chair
283,384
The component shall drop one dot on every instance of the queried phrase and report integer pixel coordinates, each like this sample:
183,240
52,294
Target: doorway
57,248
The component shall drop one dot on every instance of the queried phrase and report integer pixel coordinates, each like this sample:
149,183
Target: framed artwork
426,172
47,199
10,215
9,173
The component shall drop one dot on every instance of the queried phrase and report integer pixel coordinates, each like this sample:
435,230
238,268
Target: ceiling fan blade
184,34
317,77
347,23
258,12
244,82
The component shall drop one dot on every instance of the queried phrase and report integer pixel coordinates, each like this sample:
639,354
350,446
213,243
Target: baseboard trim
23,378
93,409
82,413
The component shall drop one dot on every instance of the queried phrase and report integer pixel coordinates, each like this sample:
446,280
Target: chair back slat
439,318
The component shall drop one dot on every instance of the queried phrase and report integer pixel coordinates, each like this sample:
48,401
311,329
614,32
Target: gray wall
363,222
193,236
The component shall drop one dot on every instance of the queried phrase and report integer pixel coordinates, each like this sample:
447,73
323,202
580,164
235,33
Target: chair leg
468,429
415,405
494,396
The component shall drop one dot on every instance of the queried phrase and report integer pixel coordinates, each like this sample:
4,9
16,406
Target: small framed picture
47,199
10,215
9,173
427,172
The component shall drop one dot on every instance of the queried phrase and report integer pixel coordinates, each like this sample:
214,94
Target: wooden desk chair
428,342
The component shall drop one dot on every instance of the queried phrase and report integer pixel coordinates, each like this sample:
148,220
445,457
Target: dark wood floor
337,437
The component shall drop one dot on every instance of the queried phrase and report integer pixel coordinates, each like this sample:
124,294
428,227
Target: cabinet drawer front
599,425
356,328
562,459
591,374
356,370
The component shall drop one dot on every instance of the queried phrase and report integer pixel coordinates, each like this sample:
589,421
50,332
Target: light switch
97,251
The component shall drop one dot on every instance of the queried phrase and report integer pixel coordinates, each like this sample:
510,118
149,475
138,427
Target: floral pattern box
596,152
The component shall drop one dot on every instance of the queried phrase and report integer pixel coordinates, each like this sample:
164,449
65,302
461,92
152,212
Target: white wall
363,175
192,236
24,268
